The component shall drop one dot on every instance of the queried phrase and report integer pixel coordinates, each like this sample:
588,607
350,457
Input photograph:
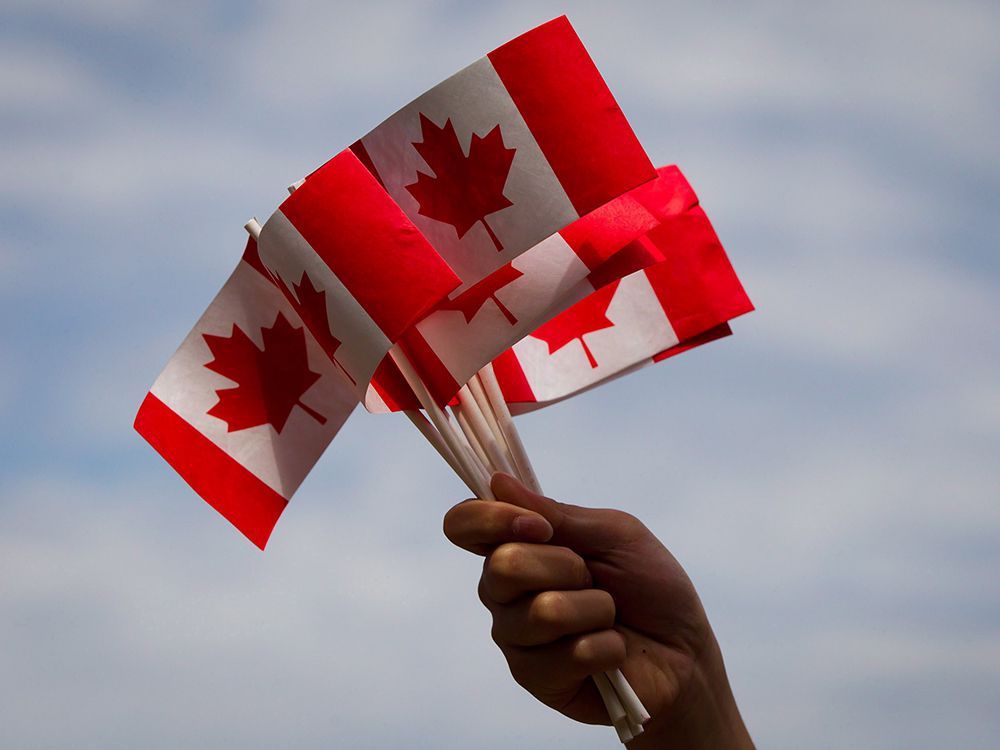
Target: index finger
480,525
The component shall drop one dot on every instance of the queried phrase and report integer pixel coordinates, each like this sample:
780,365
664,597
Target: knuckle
507,562
493,517
548,610
584,650
604,648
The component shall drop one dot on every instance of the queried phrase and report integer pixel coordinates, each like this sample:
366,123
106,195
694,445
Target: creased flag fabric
248,403
507,151
684,294
513,376
465,332
356,269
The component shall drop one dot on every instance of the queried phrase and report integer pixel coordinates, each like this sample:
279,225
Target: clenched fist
576,591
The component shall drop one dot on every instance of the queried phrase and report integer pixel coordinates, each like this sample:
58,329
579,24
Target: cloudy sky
829,476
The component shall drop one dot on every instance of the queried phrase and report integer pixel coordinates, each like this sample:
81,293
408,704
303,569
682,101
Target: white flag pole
477,421
482,468
637,713
510,433
470,434
619,718
479,394
253,228
435,439
440,421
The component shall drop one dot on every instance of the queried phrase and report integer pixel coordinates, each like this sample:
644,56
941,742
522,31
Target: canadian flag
248,403
354,267
684,295
522,400
506,152
465,332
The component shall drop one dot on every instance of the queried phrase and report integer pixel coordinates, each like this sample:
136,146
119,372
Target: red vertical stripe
392,387
572,114
609,239
365,158
633,257
440,382
695,283
249,504
668,195
606,230
369,244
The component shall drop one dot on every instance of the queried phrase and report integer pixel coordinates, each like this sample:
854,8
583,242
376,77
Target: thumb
585,530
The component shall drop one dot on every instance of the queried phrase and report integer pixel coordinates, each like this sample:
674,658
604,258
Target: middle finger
515,569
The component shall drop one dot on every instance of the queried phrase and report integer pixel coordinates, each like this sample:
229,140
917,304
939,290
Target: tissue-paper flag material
353,265
248,403
682,295
465,332
281,357
507,151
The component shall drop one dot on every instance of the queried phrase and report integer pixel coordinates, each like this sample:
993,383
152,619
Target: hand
576,591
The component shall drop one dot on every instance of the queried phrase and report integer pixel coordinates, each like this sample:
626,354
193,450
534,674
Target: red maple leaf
586,316
310,303
463,189
271,380
472,299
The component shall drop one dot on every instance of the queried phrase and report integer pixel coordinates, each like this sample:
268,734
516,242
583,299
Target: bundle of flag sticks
501,243
487,441
492,443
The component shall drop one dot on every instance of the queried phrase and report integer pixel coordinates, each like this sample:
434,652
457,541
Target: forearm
706,717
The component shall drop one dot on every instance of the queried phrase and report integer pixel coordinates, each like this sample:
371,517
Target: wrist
705,715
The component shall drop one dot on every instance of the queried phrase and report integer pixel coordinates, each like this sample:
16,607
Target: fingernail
532,528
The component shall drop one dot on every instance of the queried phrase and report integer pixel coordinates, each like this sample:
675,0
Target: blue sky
828,475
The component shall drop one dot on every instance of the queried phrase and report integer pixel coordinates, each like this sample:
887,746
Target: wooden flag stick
435,439
510,433
470,434
637,712
619,718
479,394
440,421
253,228
482,468
477,421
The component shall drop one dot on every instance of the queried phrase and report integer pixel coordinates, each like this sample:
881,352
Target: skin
575,591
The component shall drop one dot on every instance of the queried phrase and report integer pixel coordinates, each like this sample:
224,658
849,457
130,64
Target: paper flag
248,403
353,265
680,301
507,151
